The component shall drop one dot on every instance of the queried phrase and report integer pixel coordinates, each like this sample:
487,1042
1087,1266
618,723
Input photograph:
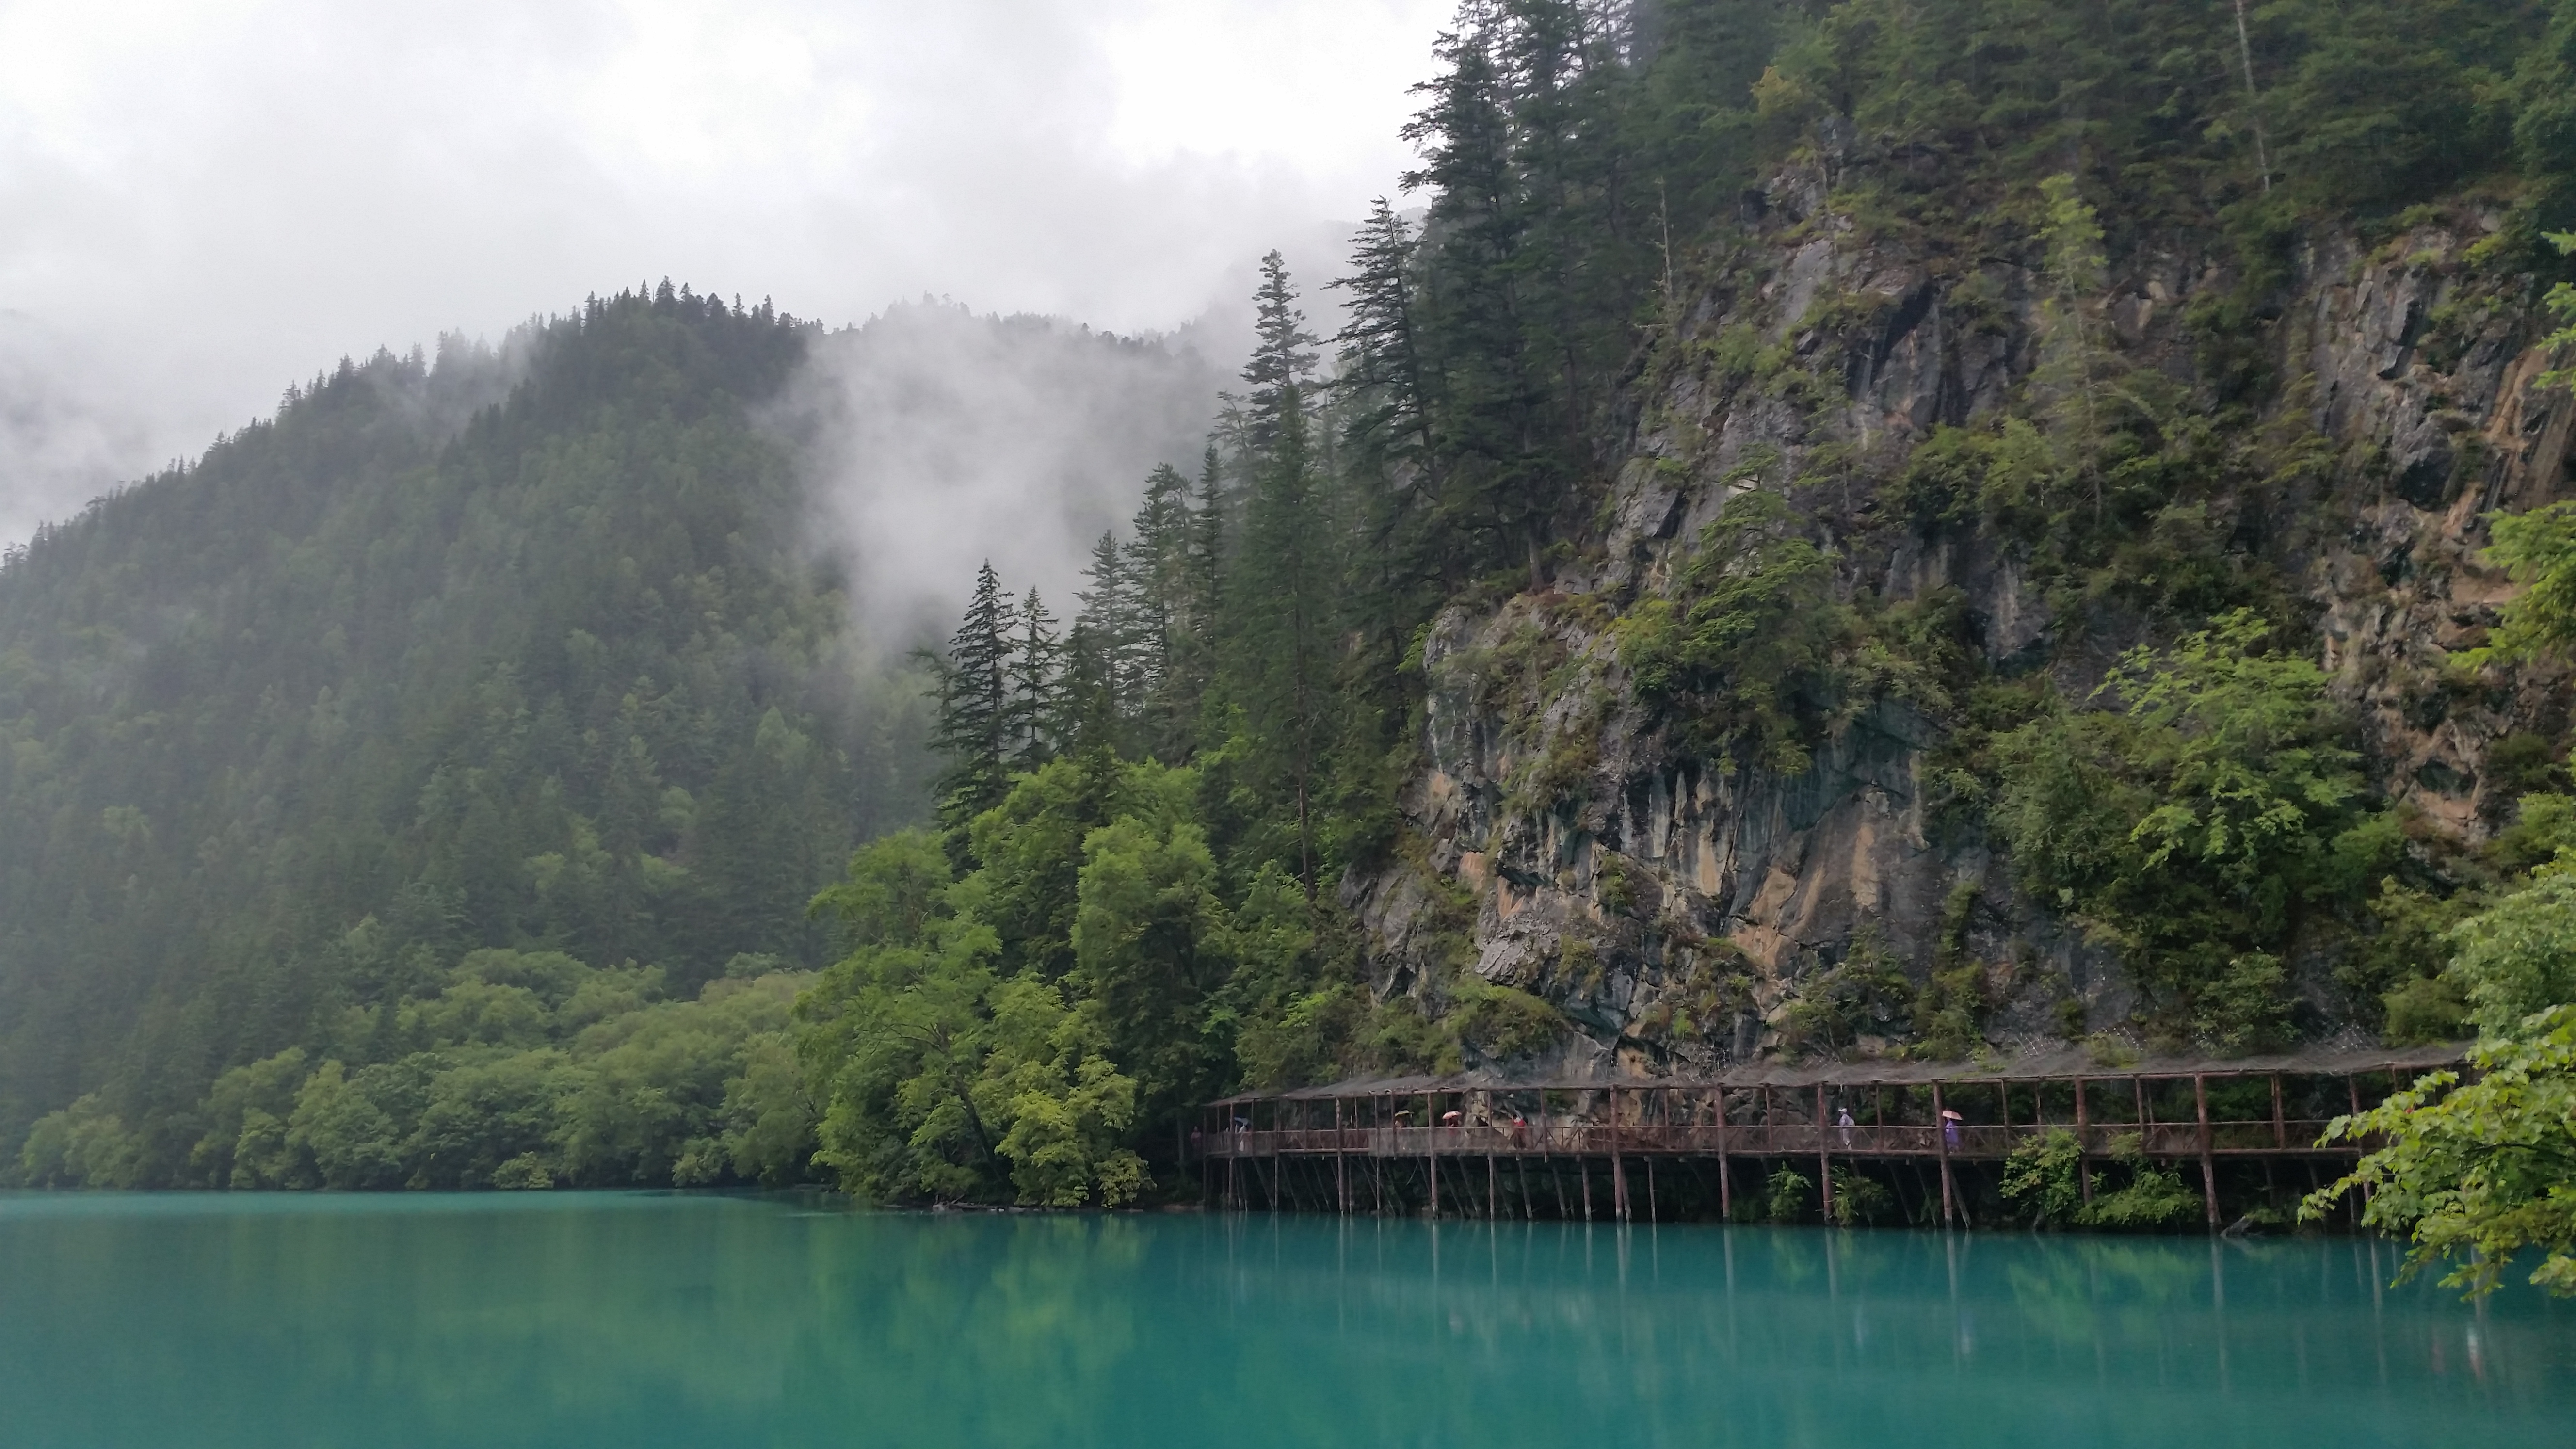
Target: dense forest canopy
470,740
530,649
1240,699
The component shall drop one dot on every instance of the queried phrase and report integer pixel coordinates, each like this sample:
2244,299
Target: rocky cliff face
1675,908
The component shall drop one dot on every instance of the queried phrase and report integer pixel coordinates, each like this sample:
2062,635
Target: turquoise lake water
654,1319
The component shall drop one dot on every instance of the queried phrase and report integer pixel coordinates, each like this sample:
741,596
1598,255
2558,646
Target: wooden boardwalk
1924,1114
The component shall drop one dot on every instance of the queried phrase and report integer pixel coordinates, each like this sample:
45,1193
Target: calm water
644,1319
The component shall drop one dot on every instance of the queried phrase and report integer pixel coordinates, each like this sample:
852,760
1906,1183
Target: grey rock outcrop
1620,880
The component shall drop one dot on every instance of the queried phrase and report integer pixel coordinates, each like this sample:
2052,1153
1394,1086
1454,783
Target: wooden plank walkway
1923,1113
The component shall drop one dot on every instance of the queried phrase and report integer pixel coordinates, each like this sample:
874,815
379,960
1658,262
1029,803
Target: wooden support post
1493,1194
1377,1158
2280,1125
1431,1150
2208,1165
1824,1155
1341,1178
2083,1162
1618,1168
1725,1176
1941,1140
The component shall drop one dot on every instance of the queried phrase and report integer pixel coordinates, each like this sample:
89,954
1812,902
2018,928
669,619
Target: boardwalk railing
1596,1139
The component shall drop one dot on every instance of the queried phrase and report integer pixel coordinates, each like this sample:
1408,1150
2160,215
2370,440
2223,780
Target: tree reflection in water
654,1319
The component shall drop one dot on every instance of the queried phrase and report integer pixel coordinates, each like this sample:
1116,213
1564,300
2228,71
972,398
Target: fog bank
937,439
205,202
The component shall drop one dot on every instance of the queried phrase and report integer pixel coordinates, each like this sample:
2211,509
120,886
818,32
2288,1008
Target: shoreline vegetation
493,832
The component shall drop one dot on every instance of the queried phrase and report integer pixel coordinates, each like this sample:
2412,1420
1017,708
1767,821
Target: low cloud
938,439
216,200
67,434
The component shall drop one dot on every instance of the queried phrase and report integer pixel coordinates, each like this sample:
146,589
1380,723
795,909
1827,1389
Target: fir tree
1381,362
1389,469
1284,608
1032,713
1157,563
1108,613
1488,425
1282,356
1200,542
1092,717
1207,528
975,729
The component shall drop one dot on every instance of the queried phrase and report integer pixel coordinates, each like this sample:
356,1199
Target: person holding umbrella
1950,1121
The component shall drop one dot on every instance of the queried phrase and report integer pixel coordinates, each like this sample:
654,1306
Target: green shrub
1859,1199
1786,1198
2154,1197
2042,1177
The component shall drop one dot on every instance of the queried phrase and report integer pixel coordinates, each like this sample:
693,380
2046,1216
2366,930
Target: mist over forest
596,640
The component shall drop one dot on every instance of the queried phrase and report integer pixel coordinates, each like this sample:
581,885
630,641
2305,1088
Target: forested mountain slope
540,651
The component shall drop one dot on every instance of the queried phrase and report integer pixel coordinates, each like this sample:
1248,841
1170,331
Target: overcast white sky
202,202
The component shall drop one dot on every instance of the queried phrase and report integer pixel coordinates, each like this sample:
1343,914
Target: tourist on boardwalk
1950,1128
1845,1122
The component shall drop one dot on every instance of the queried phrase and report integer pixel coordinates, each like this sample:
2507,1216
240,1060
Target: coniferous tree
1569,189
1380,357
1207,543
1283,356
1036,664
1489,425
1283,610
1693,126
1091,713
1199,595
1157,564
976,728
1389,462
1108,613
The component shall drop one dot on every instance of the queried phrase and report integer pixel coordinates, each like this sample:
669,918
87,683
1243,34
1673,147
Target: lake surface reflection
651,1319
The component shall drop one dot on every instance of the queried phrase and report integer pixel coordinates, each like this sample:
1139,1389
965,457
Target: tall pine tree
1283,609
1032,715
975,729
1165,611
